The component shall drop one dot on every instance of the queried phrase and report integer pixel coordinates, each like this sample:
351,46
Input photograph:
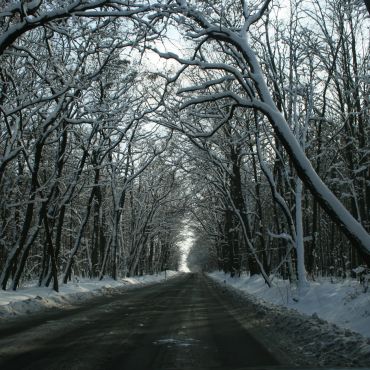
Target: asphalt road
183,323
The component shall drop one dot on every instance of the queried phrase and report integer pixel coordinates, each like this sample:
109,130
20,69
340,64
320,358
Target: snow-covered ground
32,298
342,303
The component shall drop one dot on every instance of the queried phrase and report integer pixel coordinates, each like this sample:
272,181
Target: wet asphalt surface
183,323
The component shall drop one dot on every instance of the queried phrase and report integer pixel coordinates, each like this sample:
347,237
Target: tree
256,95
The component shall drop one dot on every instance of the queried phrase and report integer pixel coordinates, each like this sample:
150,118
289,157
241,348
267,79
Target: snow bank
342,303
32,298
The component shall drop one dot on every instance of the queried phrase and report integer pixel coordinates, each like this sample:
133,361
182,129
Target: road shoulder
296,339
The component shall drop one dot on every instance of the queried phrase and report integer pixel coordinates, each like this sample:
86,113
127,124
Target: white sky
185,245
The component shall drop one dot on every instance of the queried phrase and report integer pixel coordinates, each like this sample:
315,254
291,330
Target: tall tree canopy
252,125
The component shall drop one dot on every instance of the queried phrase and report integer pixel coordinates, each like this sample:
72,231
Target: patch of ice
176,342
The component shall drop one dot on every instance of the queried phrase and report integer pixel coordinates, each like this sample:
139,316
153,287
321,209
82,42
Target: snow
33,298
342,303
359,270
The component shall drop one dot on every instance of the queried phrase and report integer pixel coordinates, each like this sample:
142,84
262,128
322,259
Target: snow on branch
206,85
218,96
237,75
253,18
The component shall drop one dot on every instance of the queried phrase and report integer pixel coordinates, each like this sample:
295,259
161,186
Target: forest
122,122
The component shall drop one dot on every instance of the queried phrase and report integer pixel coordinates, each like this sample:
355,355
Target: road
183,323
